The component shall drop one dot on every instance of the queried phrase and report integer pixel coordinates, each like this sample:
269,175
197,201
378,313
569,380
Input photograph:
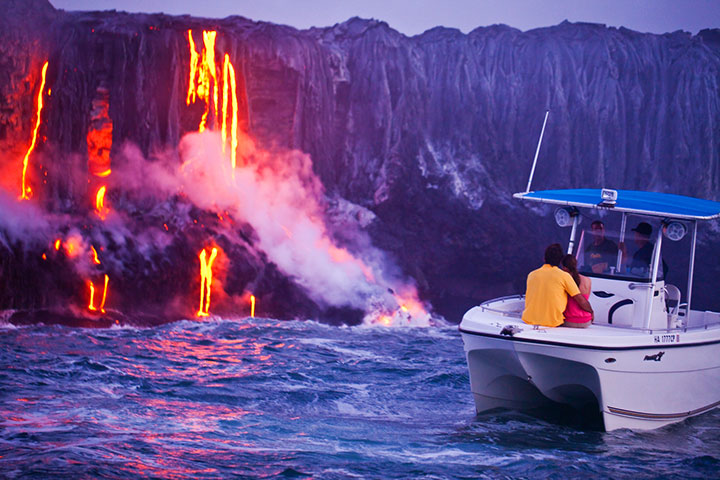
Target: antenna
537,152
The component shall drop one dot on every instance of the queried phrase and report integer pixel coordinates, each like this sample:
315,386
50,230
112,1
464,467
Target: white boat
647,360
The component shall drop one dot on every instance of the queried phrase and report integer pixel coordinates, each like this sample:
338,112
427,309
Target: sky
412,17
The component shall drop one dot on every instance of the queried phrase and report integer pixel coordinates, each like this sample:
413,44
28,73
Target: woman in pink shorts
575,316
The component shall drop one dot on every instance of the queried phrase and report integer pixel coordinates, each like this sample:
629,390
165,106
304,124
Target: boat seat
672,305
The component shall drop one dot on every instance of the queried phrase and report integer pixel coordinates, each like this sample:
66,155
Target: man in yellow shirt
547,291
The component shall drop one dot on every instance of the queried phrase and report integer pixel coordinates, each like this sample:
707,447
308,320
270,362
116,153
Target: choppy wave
264,398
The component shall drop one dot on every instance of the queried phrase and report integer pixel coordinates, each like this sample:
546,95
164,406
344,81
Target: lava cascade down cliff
393,157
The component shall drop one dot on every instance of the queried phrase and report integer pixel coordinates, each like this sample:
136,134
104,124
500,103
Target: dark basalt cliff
429,135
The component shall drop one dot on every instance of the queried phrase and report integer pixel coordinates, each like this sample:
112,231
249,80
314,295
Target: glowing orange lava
57,244
191,94
252,306
91,305
203,83
204,69
26,190
95,255
205,281
102,302
100,208
91,287
211,69
229,75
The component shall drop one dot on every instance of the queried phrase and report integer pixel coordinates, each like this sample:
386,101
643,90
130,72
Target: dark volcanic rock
431,133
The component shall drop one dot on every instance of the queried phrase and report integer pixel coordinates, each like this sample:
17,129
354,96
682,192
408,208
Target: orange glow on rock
26,190
72,246
205,281
100,208
340,255
99,134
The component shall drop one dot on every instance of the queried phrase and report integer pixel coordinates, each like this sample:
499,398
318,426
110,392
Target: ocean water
260,398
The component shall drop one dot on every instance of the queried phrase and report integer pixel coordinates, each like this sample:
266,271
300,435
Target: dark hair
570,263
597,222
554,254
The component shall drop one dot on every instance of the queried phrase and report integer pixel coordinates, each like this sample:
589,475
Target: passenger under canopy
600,252
631,254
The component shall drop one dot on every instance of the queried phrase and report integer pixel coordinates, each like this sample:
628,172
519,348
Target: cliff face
427,137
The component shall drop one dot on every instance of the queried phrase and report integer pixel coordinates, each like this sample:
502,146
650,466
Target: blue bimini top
631,201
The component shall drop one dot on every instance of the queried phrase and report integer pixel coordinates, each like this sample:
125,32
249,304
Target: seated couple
557,297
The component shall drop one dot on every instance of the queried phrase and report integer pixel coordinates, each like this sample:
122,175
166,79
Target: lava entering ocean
263,213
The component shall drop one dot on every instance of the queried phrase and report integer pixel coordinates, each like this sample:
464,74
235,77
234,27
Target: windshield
600,250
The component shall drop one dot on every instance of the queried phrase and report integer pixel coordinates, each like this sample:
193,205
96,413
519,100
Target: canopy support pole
653,278
623,225
573,232
691,271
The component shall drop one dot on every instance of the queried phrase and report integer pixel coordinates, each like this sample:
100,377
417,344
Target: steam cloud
281,198
277,194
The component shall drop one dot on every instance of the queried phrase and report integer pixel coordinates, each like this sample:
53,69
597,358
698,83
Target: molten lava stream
95,258
26,191
229,77
100,208
252,306
91,287
205,281
191,94
203,67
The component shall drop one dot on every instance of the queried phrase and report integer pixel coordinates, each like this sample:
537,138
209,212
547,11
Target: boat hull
632,387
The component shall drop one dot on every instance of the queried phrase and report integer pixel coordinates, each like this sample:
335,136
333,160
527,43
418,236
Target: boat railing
506,301
508,307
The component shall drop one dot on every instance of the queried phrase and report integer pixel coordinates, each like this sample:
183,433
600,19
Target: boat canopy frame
632,202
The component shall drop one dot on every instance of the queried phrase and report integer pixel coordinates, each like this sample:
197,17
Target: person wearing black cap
642,258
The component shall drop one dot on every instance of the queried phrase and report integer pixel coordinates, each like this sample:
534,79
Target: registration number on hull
670,338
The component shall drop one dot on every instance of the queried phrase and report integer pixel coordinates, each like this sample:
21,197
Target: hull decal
662,416
586,347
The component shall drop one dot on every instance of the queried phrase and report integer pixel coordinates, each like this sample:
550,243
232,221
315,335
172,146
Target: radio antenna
537,152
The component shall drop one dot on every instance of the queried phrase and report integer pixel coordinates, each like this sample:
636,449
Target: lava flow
91,287
203,67
26,190
99,145
229,75
203,80
205,281
100,207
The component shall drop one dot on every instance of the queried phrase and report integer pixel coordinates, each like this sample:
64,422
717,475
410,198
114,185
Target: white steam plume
282,199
